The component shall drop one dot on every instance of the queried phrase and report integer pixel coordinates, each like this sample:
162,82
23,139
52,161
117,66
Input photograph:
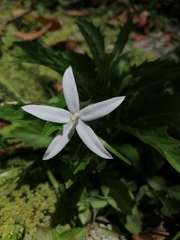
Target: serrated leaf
73,234
155,108
6,131
122,39
36,53
50,128
32,136
120,43
93,38
148,77
11,112
159,139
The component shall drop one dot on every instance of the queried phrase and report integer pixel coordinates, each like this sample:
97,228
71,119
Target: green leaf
159,139
43,233
93,38
157,183
71,171
84,214
32,136
36,53
174,191
130,153
58,101
7,130
98,202
11,112
50,128
165,201
133,224
176,236
151,75
120,44
122,39
155,108
117,195
73,234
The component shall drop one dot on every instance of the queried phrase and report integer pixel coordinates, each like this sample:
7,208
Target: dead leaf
55,23
154,234
3,123
18,12
32,36
56,86
65,45
138,37
10,150
75,13
168,37
143,22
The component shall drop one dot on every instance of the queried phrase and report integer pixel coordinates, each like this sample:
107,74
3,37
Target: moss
24,202
24,208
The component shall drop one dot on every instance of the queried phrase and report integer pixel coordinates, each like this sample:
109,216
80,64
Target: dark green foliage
144,132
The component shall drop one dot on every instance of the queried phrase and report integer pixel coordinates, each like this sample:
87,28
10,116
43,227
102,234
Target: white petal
51,114
60,141
70,91
100,109
90,139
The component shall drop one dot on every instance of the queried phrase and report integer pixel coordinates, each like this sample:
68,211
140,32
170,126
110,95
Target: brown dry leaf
55,23
3,123
65,45
32,36
170,36
155,234
138,37
143,22
56,86
75,13
18,12
17,148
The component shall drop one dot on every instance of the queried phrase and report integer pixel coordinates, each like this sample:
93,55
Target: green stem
114,151
52,179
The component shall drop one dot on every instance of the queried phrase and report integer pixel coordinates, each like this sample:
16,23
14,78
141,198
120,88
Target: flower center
75,117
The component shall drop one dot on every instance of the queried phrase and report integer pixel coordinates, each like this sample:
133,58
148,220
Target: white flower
74,118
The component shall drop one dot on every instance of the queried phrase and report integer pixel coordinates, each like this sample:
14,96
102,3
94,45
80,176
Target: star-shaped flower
74,119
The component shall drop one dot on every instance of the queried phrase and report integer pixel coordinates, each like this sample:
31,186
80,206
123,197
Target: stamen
75,116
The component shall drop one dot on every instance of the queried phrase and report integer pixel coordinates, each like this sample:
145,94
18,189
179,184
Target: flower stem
52,179
114,151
